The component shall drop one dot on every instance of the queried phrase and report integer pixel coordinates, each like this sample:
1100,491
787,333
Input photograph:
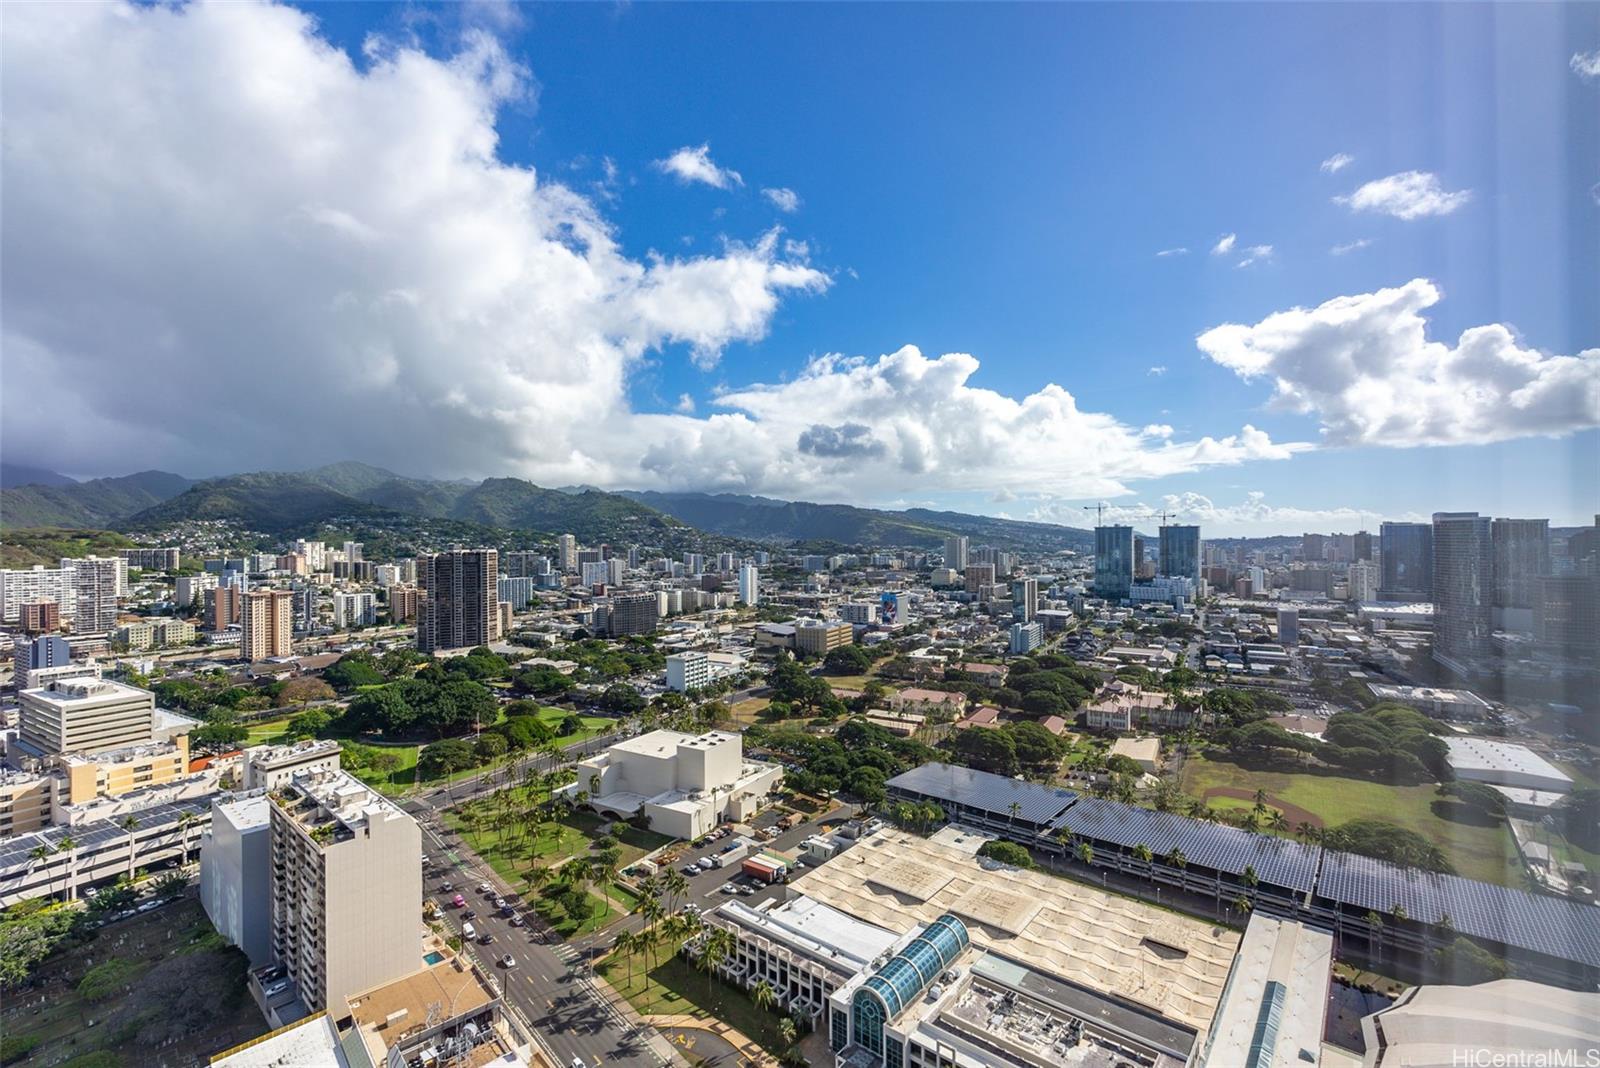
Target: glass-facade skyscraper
1406,554
1113,562
1463,591
1180,552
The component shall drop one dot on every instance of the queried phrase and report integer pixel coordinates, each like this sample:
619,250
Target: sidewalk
749,1052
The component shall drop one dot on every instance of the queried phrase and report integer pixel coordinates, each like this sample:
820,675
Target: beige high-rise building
346,888
86,716
402,603
268,620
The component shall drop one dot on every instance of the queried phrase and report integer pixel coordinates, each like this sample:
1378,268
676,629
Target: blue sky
999,179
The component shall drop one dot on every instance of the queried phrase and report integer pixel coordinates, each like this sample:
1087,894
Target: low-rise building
1504,764
816,637
685,784
1433,700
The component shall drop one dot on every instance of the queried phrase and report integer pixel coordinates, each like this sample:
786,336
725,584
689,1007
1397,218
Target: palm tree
68,846
1177,859
625,943
675,885
185,821
713,951
1304,831
1260,806
1142,854
594,786
1397,912
1277,820
1013,810
1375,934
39,852
1086,853
1241,905
130,823
788,1031
763,995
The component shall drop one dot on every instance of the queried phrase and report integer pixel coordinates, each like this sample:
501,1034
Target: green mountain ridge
351,492
99,502
770,519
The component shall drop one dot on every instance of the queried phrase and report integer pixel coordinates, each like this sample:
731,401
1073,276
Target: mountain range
295,502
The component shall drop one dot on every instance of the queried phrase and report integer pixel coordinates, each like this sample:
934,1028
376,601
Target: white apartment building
750,585
346,888
859,612
267,767
38,583
97,582
519,590
41,678
695,668
354,610
685,783
192,588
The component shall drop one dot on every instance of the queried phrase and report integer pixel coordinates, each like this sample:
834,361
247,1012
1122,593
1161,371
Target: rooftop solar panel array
981,789
1277,861
1552,926
17,851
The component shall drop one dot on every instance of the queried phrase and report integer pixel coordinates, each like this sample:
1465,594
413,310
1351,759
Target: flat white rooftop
810,926
1282,971
1488,754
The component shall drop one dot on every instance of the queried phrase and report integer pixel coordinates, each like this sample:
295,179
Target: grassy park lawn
675,985
558,918
404,777
514,852
269,731
1478,852
749,710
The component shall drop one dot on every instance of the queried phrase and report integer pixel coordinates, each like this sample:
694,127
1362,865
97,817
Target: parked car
517,921
485,888
499,902
459,902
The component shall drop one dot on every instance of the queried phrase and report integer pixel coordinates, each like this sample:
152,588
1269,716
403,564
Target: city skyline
694,276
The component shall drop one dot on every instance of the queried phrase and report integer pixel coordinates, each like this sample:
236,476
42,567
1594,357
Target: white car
508,961
484,888
577,1062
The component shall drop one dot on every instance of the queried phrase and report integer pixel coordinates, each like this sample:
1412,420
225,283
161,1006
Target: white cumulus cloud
1256,254
694,164
858,428
1350,246
285,239
1364,366
1586,65
1409,195
785,200
321,259
1337,162
1224,244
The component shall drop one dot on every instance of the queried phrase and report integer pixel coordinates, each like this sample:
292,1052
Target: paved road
548,985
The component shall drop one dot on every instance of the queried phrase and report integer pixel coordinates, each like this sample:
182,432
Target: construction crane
1099,510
